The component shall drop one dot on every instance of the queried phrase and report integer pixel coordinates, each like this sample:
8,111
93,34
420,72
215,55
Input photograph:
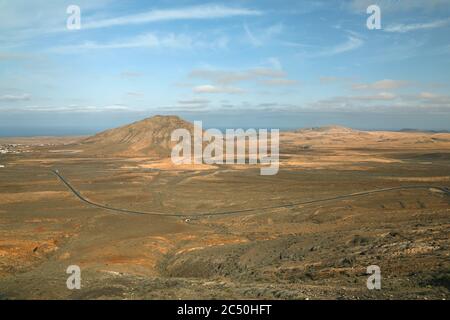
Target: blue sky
279,64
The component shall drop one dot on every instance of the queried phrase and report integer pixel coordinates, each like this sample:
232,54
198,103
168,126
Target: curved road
288,205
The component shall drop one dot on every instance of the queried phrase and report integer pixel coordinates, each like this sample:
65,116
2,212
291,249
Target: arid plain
312,233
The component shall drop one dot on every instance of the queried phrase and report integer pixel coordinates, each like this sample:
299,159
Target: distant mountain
327,129
426,131
148,137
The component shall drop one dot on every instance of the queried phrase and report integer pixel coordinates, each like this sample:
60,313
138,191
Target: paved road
218,213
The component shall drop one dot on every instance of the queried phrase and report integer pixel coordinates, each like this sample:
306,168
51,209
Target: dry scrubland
315,251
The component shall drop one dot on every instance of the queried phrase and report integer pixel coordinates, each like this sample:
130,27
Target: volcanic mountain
332,129
148,137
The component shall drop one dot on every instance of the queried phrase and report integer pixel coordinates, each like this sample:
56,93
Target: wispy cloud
193,101
130,74
207,88
253,40
5,56
188,13
275,63
334,80
344,100
263,35
350,44
226,77
73,108
379,96
280,82
135,94
385,102
403,28
386,84
433,98
225,81
148,40
11,97
399,5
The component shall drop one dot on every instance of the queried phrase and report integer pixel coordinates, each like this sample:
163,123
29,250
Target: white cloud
40,14
334,80
280,82
5,56
135,94
267,72
207,88
194,12
74,108
352,43
428,95
379,96
360,6
11,97
403,28
386,84
263,35
253,40
23,20
226,77
385,102
194,101
274,63
432,98
222,81
148,40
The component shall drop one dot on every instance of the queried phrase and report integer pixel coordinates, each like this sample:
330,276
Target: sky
261,64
